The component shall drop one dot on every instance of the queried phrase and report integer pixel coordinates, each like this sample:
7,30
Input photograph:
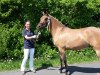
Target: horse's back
69,38
77,38
92,36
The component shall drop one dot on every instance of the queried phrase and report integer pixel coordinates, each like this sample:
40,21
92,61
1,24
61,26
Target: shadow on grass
44,66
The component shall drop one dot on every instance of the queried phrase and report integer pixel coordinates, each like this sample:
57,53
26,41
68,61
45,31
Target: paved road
75,69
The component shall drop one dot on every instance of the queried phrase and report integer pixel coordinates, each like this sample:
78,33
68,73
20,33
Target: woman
28,47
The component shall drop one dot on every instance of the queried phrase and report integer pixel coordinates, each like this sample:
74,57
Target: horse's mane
60,23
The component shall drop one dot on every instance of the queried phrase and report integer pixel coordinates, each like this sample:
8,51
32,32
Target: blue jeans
30,53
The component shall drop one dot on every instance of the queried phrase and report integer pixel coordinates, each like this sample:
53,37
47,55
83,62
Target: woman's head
27,24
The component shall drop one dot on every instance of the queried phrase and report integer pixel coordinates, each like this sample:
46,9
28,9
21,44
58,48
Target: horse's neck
55,24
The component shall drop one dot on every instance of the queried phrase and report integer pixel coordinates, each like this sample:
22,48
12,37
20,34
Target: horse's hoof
60,71
67,70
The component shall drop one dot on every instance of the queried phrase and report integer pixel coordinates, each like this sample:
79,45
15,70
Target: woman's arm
31,37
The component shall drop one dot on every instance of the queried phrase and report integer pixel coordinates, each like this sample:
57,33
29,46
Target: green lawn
73,57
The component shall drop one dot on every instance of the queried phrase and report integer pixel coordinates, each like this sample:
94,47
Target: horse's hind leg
65,62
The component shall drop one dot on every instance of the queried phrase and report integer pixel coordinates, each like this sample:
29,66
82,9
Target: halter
48,23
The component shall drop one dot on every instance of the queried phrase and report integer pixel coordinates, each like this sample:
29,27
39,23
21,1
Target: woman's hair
25,22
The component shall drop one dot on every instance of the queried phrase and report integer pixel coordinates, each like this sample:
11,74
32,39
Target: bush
73,13
11,41
45,51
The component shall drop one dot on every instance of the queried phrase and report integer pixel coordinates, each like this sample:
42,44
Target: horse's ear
45,12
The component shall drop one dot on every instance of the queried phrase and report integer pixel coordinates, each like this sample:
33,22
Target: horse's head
44,21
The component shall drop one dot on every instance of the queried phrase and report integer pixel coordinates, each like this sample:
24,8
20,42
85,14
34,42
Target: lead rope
38,34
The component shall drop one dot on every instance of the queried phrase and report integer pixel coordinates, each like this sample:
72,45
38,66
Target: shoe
33,70
23,72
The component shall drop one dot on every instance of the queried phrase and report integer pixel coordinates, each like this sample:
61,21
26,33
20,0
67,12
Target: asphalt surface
75,69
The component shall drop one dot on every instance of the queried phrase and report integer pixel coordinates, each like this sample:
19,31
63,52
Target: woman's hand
34,36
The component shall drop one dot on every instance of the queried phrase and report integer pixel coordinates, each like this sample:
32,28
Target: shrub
45,51
73,13
10,40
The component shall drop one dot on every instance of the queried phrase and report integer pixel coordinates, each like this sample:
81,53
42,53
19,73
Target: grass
9,65
83,56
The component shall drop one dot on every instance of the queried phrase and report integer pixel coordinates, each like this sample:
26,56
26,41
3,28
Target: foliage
13,13
11,41
46,52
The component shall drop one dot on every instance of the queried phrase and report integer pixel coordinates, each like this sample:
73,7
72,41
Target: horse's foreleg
62,59
61,68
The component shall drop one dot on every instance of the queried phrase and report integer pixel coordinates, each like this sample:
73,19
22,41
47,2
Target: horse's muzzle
41,25
38,26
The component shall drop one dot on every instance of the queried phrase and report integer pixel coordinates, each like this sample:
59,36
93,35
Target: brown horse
66,38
